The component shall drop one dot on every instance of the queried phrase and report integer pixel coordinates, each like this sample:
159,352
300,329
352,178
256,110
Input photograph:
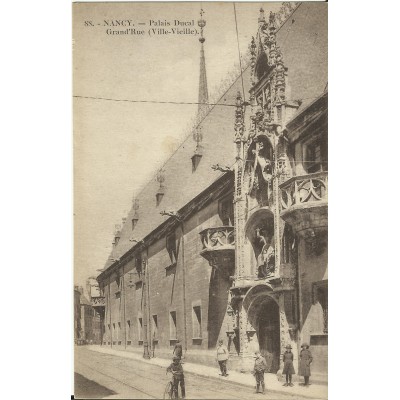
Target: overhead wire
240,59
172,102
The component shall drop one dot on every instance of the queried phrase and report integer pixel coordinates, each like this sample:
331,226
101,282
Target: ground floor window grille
140,329
154,328
172,325
196,319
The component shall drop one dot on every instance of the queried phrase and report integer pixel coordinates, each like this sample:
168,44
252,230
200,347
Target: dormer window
196,161
159,196
198,138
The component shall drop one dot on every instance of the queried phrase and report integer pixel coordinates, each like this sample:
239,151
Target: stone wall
203,288
313,267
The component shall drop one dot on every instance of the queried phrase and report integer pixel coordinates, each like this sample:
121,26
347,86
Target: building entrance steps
315,391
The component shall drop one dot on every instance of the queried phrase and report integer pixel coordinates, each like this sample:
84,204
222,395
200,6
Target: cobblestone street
108,376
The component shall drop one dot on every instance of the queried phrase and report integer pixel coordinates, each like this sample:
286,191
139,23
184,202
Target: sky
119,146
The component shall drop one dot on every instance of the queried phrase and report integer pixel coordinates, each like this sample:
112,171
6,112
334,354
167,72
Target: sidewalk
271,382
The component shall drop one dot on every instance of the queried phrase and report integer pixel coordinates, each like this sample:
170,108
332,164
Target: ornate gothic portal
263,313
268,333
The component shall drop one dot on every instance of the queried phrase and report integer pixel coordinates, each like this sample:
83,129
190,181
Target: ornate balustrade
98,301
304,202
218,246
218,237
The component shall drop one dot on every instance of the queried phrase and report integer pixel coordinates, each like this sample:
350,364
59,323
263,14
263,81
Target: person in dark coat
178,377
305,361
260,365
288,368
178,350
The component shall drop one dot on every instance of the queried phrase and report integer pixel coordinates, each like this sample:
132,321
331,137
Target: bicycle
169,388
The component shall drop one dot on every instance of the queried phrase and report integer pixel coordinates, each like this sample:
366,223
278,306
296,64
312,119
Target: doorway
269,334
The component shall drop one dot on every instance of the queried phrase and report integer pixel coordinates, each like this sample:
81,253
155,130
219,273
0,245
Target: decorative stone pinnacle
261,17
239,118
197,137
203,90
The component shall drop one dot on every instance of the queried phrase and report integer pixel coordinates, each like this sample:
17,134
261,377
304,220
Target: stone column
247,336
286,337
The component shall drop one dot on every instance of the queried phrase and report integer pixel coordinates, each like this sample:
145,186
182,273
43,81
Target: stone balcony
219,247
304,203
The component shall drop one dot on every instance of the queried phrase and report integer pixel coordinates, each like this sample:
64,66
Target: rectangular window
287,244
196,320
134,222
316,155
140,329
171,247
226,212
172,325
154,328
320,295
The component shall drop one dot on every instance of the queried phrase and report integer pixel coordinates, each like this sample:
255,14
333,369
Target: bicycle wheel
168,391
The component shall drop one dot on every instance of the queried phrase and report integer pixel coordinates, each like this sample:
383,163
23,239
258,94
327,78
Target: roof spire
203,91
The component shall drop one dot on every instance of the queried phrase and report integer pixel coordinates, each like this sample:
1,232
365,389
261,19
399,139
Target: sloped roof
303,42
181,184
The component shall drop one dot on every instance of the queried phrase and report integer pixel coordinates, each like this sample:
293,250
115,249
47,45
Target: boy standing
260,365
288,368
178,377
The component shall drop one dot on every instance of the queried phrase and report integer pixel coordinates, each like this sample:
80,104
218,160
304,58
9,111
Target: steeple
203,91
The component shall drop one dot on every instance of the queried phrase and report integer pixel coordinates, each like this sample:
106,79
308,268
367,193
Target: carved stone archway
263,314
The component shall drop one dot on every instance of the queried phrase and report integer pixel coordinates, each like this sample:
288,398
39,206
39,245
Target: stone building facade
88,317
230,240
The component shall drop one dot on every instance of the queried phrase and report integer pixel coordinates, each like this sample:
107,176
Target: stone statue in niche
264,163
261,175
266,258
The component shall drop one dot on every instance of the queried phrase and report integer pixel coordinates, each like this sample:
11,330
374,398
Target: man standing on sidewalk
178,350
260,365
222,357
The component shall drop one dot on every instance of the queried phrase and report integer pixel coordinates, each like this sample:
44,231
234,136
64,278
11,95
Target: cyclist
177,377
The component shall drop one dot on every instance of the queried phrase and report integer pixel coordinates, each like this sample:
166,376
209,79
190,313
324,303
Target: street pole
151,344
145,316
109,309
184,286
124,291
